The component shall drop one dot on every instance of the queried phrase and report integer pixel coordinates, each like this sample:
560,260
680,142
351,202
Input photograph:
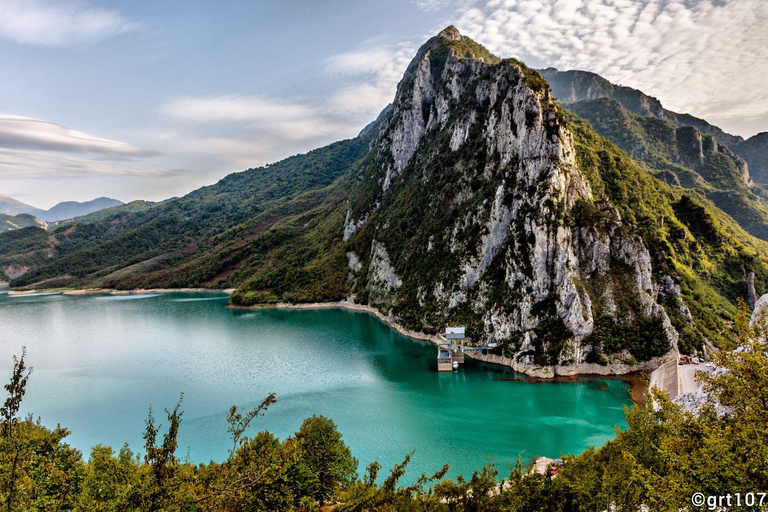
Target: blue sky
152,99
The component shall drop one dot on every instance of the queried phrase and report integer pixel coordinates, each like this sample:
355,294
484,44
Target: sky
152,99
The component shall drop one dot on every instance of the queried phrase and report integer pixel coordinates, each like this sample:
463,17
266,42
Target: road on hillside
687,376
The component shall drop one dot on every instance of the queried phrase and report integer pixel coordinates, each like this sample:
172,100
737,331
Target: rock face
471,209
577,85
755,151
760,311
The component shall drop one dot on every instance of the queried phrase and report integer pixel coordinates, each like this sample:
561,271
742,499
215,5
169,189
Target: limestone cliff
474,199
471,209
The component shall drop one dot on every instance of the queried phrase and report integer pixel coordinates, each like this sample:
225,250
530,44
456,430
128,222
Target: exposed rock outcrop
481,216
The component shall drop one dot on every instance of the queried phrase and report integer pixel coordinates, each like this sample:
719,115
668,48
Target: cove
101,361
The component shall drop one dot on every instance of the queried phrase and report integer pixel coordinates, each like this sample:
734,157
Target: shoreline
112,291
637,379
638,382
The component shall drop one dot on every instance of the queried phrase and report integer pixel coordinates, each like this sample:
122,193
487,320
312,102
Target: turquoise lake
101,361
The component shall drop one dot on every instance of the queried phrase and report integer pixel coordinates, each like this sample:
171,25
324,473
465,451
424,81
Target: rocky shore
636,375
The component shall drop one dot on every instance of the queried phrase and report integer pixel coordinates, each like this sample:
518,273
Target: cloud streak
19,132
33,148
20,164
708,57
256,129
59,24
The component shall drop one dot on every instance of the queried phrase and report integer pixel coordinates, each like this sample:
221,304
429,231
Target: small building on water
451,353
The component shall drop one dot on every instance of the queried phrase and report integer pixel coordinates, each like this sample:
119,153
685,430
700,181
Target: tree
161,487
327,456
11,447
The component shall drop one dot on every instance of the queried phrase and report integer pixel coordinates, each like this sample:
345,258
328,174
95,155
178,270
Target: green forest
662,458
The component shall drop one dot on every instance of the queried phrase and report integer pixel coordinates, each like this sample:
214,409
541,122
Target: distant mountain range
65,210
11,206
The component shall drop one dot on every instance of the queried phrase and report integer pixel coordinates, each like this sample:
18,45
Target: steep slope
684,156
10,206
755,151
474,199
71,209
575,85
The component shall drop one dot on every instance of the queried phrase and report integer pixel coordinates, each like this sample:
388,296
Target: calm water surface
101,361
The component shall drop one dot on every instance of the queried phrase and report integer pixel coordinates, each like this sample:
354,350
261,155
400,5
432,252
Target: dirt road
687,376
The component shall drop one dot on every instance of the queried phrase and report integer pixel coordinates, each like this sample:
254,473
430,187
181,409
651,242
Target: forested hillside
685,157
475,198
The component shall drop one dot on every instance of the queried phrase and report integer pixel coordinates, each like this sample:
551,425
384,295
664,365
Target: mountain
575,85
755,151
474,199
62,211
22,220
10,206
683,156
71,209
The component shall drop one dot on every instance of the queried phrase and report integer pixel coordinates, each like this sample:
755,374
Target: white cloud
32,148
243,130
232,132
234,108
372,76
27,133
709,57
57,24
432,5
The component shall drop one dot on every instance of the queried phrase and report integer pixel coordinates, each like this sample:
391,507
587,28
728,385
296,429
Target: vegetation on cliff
331,224
682,156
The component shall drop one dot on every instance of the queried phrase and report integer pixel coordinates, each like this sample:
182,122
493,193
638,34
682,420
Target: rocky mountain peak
450,32
471,206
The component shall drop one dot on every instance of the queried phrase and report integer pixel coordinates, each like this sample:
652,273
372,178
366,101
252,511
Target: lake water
101,361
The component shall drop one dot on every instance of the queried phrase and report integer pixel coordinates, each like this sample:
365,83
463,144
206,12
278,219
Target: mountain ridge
11,206
475,199
72,209
61,211
575,85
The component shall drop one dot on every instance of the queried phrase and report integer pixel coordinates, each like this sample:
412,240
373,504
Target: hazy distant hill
71,209
62,211
11,206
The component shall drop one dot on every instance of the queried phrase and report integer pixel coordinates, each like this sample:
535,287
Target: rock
751,293
760,311
523,261
693,402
